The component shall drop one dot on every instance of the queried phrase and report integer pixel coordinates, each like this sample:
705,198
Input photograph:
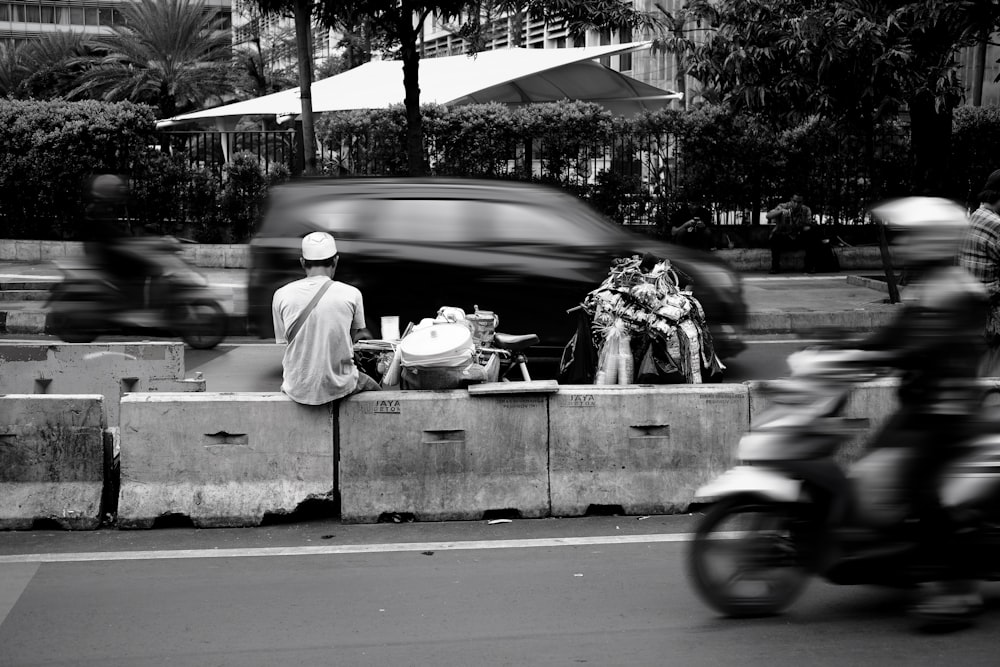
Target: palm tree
52,64
13,69
41,68
171,54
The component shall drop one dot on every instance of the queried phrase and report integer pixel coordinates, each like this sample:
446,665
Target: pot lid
436,340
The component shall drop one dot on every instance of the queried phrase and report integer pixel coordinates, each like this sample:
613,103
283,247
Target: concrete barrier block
210,256
859,320
868,407
642,448
221,459
768,322
25,321
865,258
110,369
52,461
441,455
189,253
61,249
8,251
27,251
236,256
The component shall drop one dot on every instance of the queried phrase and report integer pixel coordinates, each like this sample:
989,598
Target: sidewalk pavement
777,304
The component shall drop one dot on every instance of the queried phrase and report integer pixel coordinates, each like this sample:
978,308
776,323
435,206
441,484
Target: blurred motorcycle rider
112,246
936,343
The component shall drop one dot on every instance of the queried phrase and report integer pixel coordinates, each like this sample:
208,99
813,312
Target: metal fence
212,151
636,179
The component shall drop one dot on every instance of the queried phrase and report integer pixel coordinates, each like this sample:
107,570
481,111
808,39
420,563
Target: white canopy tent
509,76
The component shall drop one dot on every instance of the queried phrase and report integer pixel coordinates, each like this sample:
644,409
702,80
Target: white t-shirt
319,364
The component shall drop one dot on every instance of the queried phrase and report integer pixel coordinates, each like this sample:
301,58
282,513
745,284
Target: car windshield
437,221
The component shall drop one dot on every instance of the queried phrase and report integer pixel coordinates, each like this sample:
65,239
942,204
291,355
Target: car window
426,220
338,215
519,223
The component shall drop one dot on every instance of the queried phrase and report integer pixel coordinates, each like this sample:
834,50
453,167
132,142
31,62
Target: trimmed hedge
49,150
645,166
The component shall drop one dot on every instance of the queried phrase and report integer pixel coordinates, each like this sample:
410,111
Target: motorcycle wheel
747,559
201,323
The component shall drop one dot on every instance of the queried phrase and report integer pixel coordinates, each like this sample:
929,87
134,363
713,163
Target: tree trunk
681,80
680,73
930,141
414,122
303,40
979,69
890,274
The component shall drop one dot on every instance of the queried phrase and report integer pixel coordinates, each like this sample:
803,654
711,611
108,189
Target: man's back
319,363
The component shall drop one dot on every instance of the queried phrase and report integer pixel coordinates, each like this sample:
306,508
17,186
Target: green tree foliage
41,68
172,195
255,73
738,161
50,148
398,25
171,54
974,140
857,62
302,11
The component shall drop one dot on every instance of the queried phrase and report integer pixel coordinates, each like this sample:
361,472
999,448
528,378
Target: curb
872,283
860,321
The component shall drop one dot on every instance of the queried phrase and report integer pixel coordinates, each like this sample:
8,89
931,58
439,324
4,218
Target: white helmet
927,229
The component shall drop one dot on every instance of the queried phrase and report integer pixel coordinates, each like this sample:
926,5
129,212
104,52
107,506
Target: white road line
338,549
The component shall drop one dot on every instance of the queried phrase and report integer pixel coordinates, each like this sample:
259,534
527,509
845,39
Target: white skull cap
318,245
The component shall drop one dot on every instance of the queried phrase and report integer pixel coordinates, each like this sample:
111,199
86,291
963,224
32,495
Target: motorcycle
176,298
789,511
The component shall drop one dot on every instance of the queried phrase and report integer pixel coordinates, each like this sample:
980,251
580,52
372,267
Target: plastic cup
390,327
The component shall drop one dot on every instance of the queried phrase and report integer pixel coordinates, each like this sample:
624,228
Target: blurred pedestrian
980,256
692,227
318,364
794,229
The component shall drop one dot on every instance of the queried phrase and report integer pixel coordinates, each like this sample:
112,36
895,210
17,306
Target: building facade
274,35
24,20
660,68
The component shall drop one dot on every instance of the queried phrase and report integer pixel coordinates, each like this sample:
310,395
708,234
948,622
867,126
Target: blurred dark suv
526,252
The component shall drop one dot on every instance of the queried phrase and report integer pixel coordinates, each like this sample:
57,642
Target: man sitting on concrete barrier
318,364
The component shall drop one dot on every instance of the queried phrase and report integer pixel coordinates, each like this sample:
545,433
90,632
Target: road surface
599,591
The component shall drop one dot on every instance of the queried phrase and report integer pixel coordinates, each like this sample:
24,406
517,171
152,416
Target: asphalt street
601,591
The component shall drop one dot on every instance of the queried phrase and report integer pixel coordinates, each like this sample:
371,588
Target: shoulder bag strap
297,324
